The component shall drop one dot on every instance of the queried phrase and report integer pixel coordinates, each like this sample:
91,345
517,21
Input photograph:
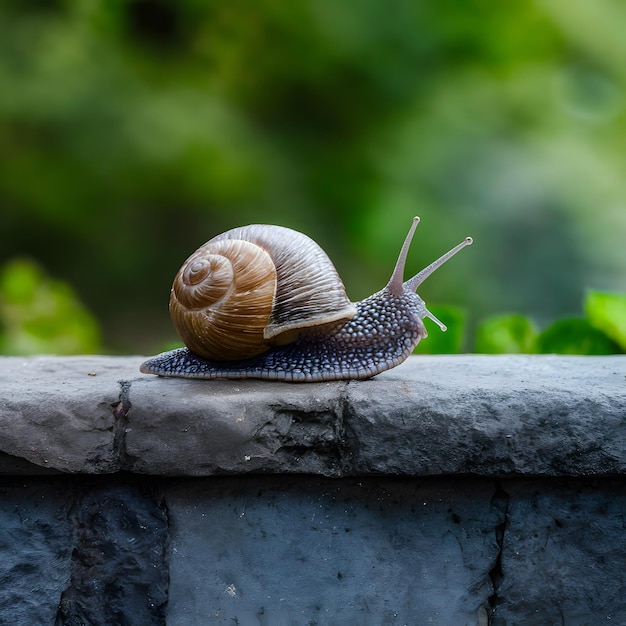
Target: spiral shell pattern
254,287
222,298
310,296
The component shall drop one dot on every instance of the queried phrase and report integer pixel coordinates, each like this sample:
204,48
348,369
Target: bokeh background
131,131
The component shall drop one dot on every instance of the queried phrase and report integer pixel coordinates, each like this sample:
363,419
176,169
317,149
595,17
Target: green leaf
448,342
607,312
41,315
18,283
574,336
502,334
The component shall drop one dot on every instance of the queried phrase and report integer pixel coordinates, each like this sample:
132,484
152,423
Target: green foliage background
131,131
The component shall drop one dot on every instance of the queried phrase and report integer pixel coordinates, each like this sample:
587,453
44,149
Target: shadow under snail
266,302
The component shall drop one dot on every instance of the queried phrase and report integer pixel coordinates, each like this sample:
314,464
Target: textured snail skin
380,336
379,333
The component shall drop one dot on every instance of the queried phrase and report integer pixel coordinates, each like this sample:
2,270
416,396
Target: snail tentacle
273,307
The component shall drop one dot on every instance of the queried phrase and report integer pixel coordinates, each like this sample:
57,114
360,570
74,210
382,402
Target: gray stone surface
497,415
58,413
36,540
406,531
177,427
81,553
276,551
563,554
119,571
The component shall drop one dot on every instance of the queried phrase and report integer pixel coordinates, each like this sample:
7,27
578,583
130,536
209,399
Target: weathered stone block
119,568
494,416
563,554
434,415
58,413
278,550
190,427
407,531
300,550
36,540
81,553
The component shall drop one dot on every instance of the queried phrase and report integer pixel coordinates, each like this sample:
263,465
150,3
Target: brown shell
221,300
255,286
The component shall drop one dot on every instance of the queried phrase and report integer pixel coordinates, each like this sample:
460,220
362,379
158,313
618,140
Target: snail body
266,302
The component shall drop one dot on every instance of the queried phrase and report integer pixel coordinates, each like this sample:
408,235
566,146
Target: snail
266,302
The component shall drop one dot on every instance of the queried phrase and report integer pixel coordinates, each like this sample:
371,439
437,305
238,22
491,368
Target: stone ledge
433,415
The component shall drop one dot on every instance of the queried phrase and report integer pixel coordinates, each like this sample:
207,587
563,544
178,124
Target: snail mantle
501,416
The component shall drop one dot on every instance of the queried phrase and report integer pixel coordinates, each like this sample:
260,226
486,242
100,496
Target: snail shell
254,287
266,302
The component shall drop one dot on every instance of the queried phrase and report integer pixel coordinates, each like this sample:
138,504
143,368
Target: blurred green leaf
607,312
574,336
18,283
448,342
506,334
42,315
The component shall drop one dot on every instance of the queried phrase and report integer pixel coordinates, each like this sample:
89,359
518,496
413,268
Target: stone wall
451,490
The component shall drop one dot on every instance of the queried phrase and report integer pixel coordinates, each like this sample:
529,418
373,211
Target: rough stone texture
464,490
58,413
177,427
278,550
527,415
74,553
36,540
312,551
118,574
563,554
505,415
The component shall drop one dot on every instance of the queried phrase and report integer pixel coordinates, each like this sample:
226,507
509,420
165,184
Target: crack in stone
499,501
348,439
60,617
166,550
120,556
121,409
